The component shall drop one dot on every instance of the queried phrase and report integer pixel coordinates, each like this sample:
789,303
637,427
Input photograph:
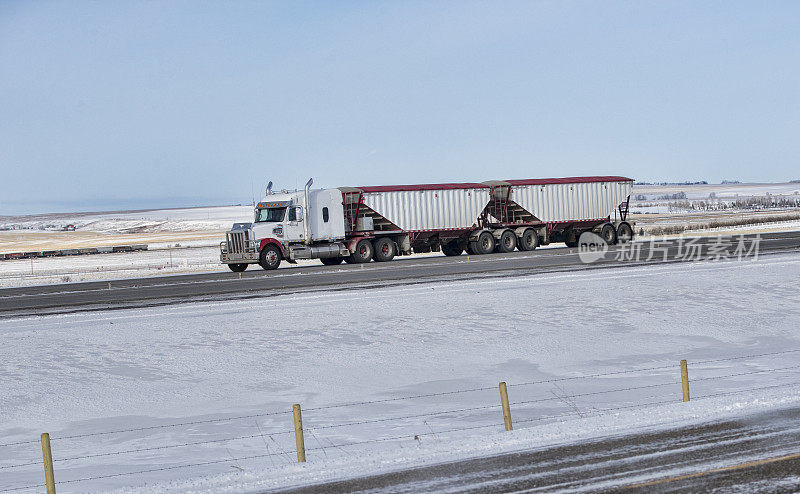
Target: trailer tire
270,257
237,267
331,261
624,233
384,250
363,252
507,243
452,248
609,234
485,243
529,240
571,238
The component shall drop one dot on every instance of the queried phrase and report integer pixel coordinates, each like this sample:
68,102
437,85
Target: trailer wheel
624,233
571,238
363,252
529,240
331,261
609,233
238,267
507,243
270,257
384,249
452,248
485,244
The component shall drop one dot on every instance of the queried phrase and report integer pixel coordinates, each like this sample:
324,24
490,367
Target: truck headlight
278,231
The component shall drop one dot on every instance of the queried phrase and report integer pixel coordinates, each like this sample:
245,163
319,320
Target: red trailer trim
567,180
399,188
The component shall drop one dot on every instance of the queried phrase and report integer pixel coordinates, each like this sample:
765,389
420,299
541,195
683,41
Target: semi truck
378,223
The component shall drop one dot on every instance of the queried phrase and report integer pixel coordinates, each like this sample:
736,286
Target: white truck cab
295,225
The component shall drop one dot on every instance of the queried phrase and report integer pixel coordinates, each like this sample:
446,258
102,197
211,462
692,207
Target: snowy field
156,220
232,369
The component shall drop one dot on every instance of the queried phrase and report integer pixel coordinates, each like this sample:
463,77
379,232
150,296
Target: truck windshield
272,215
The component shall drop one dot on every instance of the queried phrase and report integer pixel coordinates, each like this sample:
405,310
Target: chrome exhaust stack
307,216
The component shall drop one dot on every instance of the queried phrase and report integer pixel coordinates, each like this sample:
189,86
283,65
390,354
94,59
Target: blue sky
108,105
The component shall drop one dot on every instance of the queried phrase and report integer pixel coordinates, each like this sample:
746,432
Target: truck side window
296,214
325,215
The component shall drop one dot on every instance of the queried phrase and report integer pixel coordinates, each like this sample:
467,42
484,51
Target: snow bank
206,363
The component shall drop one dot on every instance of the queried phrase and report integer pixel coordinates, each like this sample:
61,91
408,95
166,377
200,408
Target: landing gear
270,257
237,268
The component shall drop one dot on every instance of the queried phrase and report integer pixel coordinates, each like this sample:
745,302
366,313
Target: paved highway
256,282
760,453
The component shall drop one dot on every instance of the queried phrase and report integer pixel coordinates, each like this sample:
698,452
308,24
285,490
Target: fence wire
593,412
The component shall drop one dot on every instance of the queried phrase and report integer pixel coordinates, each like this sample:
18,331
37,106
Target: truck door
295,229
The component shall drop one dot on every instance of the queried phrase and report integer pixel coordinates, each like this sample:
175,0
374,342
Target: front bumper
248,256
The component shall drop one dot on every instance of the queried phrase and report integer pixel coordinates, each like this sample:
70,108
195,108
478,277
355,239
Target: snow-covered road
92,372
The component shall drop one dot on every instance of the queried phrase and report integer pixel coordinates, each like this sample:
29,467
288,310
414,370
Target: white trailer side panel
571,201
440,209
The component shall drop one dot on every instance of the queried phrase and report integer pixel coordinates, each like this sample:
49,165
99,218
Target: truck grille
237,242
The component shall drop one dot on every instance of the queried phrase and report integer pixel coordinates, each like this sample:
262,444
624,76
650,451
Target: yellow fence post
49,478
298,434
506,407
685,380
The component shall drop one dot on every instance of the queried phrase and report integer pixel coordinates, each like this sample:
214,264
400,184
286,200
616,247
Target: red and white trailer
360,224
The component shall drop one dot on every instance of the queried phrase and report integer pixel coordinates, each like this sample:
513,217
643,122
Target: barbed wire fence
533,410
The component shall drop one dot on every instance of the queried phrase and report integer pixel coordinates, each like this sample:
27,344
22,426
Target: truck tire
624,233
571,239
452,248
331,261
609,234
363,253
270,257
529,240
384,250
485,243
507,243
237,267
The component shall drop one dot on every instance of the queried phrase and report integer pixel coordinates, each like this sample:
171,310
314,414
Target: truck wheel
331,261
237,268
485,243
624,233
363,252
384,249
571,239
529,240
609,233
452,248
270,257
507,243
